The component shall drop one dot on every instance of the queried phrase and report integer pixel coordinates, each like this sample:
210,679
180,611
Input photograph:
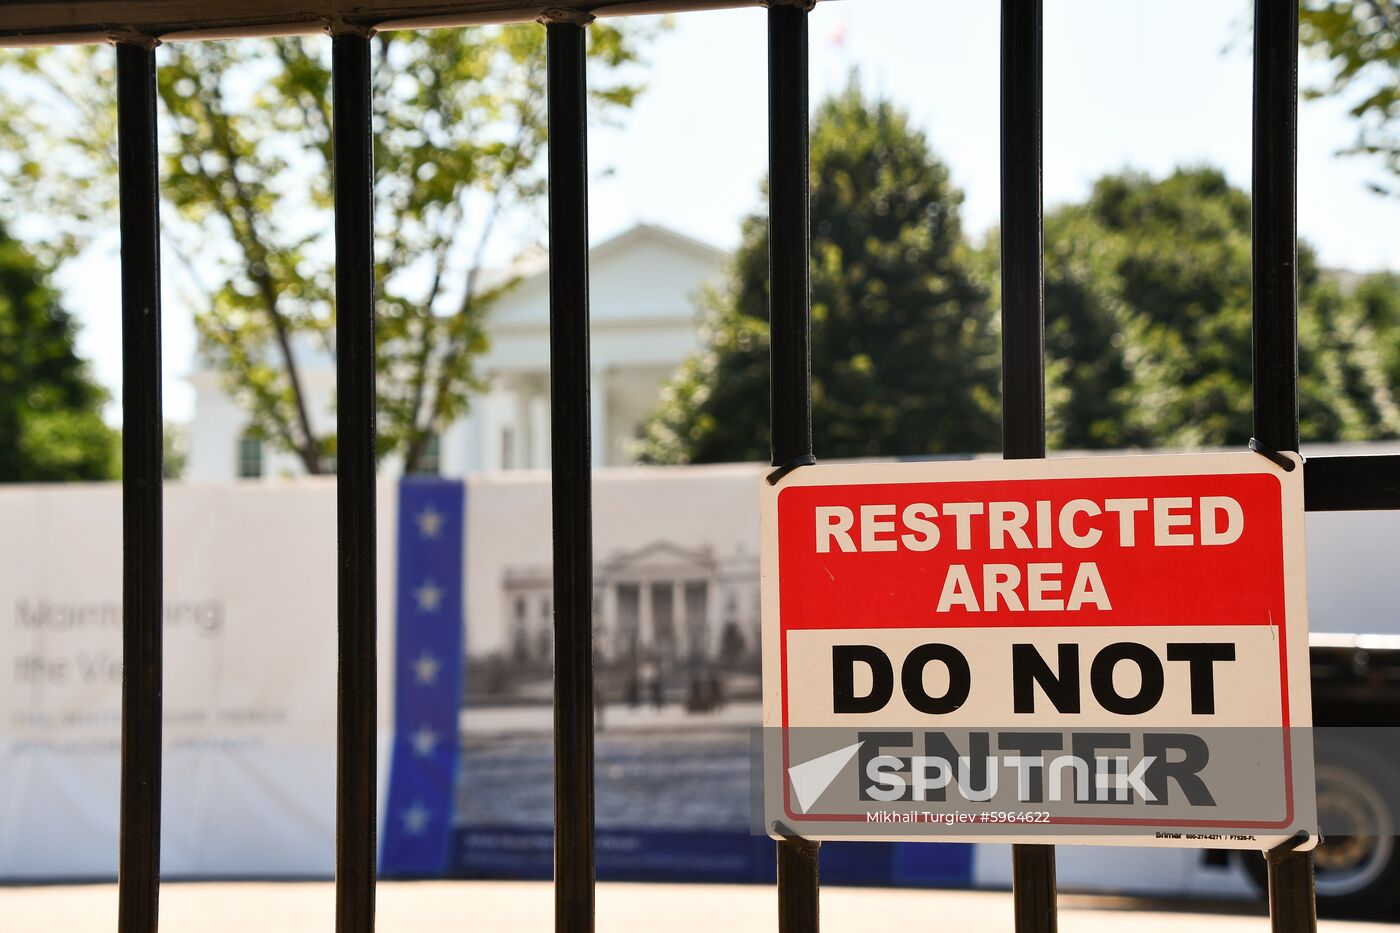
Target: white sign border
992,470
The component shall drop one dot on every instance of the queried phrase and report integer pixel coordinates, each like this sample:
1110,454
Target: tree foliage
1378,297
1148,318
1148,321
459,136
903,355
1360,39
51,427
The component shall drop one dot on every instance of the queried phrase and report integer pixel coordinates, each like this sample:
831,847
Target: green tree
1148,320
903,348
51,427
460,132
1378,296
1360,39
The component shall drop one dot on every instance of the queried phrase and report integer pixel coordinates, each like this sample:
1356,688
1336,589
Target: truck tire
1358,864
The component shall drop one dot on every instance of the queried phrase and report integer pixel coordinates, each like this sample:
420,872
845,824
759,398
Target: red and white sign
1162,596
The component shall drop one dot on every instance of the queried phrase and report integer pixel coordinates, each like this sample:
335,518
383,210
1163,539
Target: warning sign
1091,650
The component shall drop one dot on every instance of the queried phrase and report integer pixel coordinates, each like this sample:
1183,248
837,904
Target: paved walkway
488,907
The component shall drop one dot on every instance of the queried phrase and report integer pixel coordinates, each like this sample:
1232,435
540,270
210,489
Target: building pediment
645,274
658,558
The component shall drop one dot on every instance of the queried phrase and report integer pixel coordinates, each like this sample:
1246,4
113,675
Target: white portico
643,285
675,609
643,289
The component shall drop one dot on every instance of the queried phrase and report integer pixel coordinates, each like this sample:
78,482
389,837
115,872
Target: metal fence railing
136,26
142,426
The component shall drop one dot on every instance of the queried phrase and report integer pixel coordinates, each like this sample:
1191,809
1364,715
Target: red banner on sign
1140,550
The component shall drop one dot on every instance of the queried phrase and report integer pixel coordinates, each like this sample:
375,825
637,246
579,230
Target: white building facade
643,312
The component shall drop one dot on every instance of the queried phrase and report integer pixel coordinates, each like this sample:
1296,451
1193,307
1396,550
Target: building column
714,615
539,431
489,408
520,416
598,401
707,626
646,633
608,611
468,444
503,407
679,623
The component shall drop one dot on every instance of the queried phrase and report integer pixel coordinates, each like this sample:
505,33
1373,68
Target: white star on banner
415,818
429,596
425,669
429,522
424,741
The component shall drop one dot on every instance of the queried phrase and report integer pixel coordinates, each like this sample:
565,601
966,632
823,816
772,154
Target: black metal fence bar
1275,284
1022,236
790,346
356,761
1023,338
1275,258
1339,484
30,22
139,858
1033,888
571,474
1292,901
789,235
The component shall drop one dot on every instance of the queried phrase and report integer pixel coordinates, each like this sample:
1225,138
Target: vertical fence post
1275,254
1023,338
571,471
139,859
1292,902
790,343
1022,238
357,754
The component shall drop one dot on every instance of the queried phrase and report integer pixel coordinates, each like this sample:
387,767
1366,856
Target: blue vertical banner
427,676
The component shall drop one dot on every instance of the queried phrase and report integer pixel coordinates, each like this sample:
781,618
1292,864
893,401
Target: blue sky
1146,84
